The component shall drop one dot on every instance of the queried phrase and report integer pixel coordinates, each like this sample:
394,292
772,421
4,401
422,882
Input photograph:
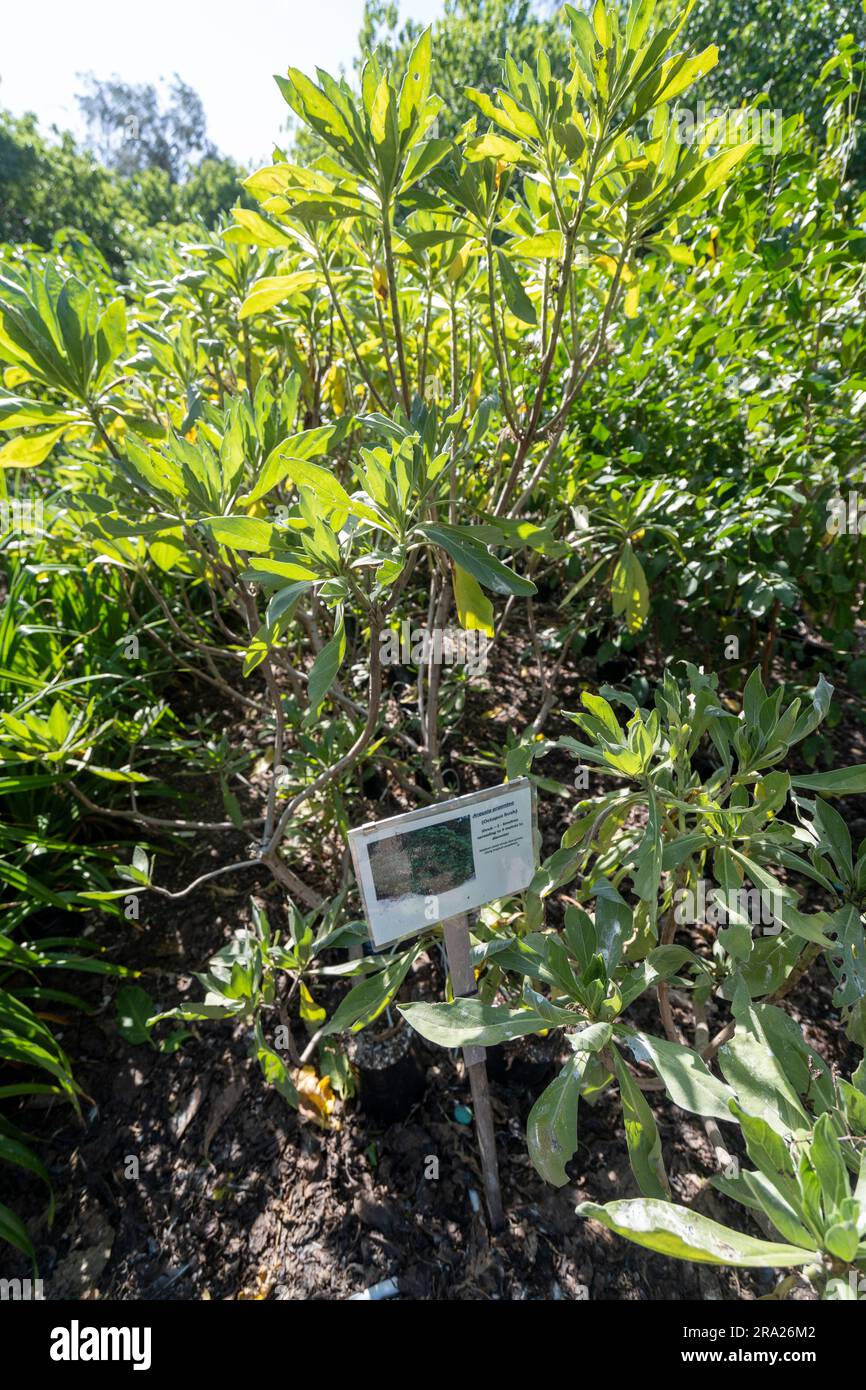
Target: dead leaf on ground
181,1121
226,1101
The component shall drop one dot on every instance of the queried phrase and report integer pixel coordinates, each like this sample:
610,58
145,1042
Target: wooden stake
456,931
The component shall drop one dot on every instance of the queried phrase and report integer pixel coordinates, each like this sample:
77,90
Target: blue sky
228,50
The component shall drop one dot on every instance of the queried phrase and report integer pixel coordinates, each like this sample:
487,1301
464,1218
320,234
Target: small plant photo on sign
432,859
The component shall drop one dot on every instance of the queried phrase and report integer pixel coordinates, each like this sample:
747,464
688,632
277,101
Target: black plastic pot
390,1077
528,1061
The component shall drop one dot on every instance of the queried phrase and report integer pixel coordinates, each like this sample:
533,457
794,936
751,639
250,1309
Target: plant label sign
440,861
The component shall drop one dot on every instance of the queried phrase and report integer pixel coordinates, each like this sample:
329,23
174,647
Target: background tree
48,185
145,166
210,188
773,46
130,130
467,43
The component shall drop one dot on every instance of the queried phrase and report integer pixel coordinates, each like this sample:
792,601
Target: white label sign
417,869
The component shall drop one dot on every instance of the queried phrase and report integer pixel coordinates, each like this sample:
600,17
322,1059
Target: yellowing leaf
474,608
310,1011
260,1290
379,114
28,450
273,289
317,1100
546,246
334,388
609,264
600,24
475,389
494,147
380,283
286,569
632,297
457,266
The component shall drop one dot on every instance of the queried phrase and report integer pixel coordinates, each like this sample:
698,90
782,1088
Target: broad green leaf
368,999
585,41
169,551
307,444
543,247
282,569
134,1008
467,1021
241,532
315,107
515,295
472,555
648,867
416,83
767,1150
380,111
273,289
686,1235
325,668
326,489
825,1152
749,1065
259,231
551,1130
593,1038
597,705
851,972
834,837
600,23
641,1134
424,157
17,413
687,1079
783,908
842,1239
110,336
613,923
276,1074
629,593
674,77
758,1192
13,1230
712,173
844,781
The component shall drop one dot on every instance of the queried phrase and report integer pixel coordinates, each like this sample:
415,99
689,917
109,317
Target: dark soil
190,1179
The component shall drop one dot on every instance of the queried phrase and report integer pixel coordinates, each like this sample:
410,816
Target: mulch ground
190,1179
